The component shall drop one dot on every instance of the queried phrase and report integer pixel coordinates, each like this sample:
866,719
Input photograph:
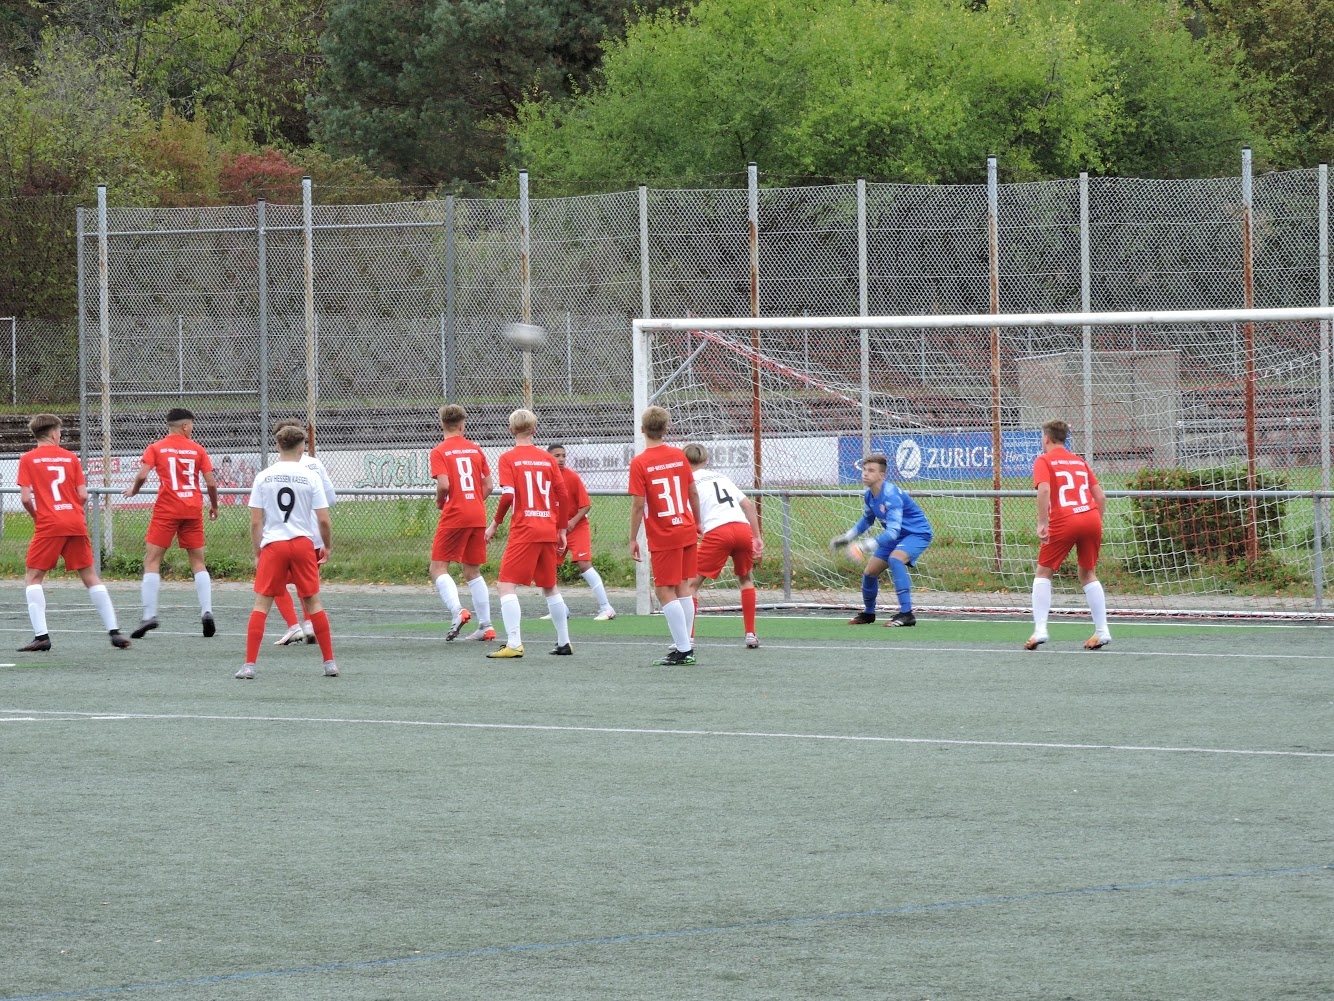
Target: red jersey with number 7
55,475
179,462
530,475
661,475
1072,484
467,469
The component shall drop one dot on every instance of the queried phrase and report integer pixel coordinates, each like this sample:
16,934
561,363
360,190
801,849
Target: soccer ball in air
854,554
524,336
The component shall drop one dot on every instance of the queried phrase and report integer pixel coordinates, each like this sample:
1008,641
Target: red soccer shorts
673,566
287,560
44,551
733,541
579,543
459,545
161,532
1084,536
527,563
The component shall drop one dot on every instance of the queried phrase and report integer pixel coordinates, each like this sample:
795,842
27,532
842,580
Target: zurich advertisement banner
960,455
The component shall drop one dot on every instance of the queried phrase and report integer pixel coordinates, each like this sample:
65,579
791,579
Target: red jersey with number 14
180,462
661,475
530,475
1072,484
55,475
467,469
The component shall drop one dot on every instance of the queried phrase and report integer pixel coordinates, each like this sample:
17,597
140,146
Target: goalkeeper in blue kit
906,535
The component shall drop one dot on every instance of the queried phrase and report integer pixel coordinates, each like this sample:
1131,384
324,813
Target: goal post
1206,427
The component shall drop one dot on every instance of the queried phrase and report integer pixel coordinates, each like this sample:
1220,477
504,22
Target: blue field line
504,950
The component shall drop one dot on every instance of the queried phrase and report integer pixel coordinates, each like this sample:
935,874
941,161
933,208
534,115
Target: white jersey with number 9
719,500
289,495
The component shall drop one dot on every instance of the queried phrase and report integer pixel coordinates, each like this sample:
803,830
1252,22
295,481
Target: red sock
748,608
283,602
320,623
694,603
254,635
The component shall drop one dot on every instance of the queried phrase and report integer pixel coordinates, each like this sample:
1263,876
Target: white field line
74,715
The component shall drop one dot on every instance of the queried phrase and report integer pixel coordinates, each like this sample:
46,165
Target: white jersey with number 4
289,494
719,500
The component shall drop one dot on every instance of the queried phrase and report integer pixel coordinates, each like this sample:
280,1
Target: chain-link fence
208,308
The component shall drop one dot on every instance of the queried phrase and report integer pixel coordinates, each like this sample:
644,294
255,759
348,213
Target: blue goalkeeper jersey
894,509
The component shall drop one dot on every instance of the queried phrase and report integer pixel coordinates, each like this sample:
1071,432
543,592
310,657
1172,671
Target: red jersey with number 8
55,475
467,469
180,462
1072,484
661,475
530,475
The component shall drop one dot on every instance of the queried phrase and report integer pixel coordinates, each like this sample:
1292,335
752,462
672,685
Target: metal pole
97,536
14,360
104,327
449,333
757,435
787,547
180,355
645,298
569,356
1322,226
308,267
1318,564
863,309
639,368
1248,330
262,279
1086,304
82,313
993,253
526,283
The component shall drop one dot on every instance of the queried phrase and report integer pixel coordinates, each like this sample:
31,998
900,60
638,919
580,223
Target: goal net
1209,429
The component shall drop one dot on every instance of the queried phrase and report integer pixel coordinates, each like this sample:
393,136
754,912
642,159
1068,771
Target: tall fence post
448,333
569,356
1086,304
1318,561
863,307
757,434
1322,227
526,283
639,355
180,355
104,328
262,281
308,271
993,254
1248,333
81,311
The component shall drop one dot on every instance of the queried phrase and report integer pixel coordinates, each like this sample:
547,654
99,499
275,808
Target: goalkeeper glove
842,540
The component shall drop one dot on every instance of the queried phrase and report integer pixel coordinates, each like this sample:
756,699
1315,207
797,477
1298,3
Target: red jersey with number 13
661,475
55,475
467,469
180,462
532,477
1072,484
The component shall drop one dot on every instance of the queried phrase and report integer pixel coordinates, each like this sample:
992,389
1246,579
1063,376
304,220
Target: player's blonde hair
289,436
452,415
876,459
523,422
42,424
696,454
654,422
1058,431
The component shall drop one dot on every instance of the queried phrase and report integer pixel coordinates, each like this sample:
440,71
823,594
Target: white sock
149,590
1098,606
1041,604
560,618
676,623
204,588
37,609
594,580
511,613
97,594
688,609
449,593
481,600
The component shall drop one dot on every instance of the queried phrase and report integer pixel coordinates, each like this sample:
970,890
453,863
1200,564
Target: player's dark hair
696,454
177,414
1057,431
876,459
42,424
452,415
289,436
287,422
655,421
552,448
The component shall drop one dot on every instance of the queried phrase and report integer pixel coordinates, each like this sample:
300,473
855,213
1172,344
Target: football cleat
752,641
39,644
482,634
308,631
464,617
210,627
293,635
606,615
330,669
1097,642
119,641
862,619
565,650
677,658
506,653
247,673
545,618
1035,641
145,627
902,619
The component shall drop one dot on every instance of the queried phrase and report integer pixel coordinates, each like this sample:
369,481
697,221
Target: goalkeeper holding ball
907,534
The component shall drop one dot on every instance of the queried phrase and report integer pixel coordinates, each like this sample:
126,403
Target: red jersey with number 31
1072,484
532,477
467,469
661,475
55,475
179,462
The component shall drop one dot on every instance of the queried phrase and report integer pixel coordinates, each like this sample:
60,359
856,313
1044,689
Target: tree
428,88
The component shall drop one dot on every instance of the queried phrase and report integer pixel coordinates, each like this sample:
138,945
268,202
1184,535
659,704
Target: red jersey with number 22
661,475
180,462
467,469
54,474
532,477
1072,484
